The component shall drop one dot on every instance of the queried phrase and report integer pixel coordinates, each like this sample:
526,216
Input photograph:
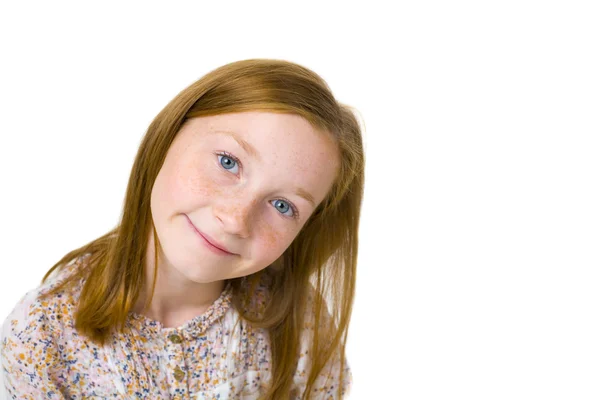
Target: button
179,374
175,338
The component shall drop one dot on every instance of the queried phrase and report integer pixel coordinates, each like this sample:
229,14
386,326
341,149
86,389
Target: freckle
270,235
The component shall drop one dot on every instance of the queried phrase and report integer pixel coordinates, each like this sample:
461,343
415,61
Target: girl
231,274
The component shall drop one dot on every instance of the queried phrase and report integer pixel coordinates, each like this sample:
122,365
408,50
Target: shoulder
39,314
32,336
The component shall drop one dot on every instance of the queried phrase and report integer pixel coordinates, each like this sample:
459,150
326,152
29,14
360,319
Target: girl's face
243,181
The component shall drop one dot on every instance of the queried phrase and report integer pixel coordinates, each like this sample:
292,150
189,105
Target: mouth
216,247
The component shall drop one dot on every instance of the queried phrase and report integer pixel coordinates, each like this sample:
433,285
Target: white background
479,246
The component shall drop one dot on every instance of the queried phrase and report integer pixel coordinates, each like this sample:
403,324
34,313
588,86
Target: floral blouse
208,357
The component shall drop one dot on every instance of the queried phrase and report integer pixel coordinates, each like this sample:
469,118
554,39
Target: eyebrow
251,150
248,148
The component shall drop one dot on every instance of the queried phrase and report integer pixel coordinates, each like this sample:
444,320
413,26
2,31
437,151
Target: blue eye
284,206
229,162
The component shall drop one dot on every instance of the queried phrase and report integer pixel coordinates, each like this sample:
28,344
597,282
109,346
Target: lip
210,242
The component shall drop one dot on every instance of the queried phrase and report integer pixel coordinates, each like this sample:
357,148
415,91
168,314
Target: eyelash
237,160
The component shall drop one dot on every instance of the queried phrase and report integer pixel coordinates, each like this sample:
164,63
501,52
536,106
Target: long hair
321,259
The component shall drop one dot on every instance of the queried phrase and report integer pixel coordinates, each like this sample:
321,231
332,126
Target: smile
208,242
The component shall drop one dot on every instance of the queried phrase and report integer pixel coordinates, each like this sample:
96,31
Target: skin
245,206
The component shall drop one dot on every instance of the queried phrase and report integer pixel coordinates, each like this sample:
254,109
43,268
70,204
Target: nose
235,214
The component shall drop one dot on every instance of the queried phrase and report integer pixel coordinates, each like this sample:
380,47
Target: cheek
271,239
198,181
274,240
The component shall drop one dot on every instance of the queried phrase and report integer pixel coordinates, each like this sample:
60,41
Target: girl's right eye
228,162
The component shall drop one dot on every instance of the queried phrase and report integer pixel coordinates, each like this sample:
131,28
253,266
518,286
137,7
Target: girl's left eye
281,204
229,162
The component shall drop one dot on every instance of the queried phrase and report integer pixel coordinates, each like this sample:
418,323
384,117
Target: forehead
280,146
255,125
264,133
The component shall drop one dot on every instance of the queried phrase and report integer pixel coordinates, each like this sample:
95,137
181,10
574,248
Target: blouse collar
191,329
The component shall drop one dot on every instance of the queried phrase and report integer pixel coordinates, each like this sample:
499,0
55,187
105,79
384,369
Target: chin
193,268
202,275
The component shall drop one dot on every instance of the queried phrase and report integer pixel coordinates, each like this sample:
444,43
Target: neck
176,299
